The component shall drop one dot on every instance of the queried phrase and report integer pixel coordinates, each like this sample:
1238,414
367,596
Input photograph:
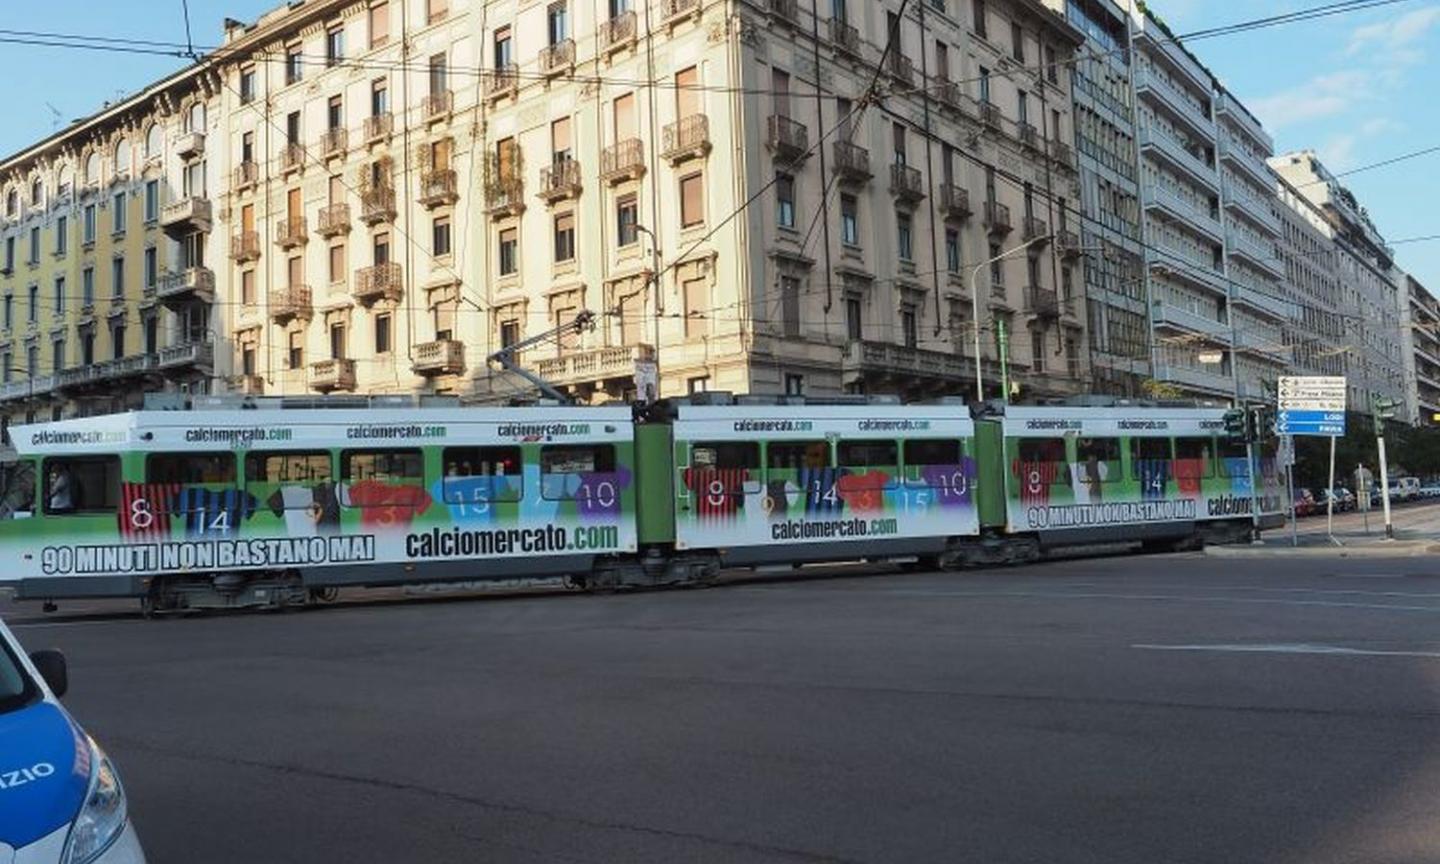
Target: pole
1290,490
975,309
1330,498
1362,498
1385,487
1002,345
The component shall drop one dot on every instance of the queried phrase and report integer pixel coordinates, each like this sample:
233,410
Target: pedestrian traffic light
1235,424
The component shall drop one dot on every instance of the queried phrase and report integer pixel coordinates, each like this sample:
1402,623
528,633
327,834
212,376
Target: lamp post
654,281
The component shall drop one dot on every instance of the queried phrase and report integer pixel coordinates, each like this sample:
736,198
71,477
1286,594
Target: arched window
67,180
92,168
122,157
37,191
195,120
152,141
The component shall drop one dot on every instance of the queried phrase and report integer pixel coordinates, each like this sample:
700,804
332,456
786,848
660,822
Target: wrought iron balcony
334,374
245,246
1067,243
377,127
1036,229
334,142
438,105
502,81
954,201
618,32
990,115
1029,136
291,232
379,282
558,58
901,68
845,37
687,138
246,174
292,157
906,184
334,220
786,138
560,181
438,188
624,160
441,357
1042,302
377,205
290,304
852,162
505,196
997,218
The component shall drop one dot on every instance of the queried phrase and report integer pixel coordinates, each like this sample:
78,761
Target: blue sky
1355,87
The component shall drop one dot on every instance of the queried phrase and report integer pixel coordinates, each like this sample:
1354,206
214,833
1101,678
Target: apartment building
1210,227
1316,333
1420,343
106,255
1371,299
1118,316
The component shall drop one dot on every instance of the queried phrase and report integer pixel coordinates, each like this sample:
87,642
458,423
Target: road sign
1312,393
1291,422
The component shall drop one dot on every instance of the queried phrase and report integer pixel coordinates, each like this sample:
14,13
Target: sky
1356,88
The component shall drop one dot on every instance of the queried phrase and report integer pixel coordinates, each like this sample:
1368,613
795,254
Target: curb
1394,549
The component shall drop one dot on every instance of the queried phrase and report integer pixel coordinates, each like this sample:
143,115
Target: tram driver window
479,474
82,484
190,468
571,470
18,501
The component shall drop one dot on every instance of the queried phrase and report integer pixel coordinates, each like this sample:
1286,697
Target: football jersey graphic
385,506
145,510
818,485
212,512
950,484
1235,469
863,493
718,493
598,493
1036,478
1086,479
1154,474
308,510
474,498
1188,473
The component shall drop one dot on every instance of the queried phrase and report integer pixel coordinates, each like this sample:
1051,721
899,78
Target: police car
61,801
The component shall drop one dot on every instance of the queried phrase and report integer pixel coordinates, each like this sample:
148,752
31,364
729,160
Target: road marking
1286,648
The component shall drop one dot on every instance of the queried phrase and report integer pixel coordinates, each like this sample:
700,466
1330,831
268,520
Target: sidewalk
1408,543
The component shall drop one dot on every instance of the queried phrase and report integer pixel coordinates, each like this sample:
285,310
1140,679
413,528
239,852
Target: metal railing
688,135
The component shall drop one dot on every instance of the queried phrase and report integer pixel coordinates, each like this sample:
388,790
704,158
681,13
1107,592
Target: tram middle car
219,507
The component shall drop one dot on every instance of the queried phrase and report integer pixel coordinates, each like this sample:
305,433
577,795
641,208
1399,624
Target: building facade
1421,347
1315,333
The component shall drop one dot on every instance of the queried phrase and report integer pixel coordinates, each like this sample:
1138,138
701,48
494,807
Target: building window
152,267
558,22
440,235
34,303
700,384
152,200
794,385
152,334
338,340
692,200
59,296
1037,350
379,97
984,85
785,200
295,355
909,328
87,224
87,289
62,234
904,236
509,333
436,10
119,214
997,271
337,264
380,249
334,45
952,251
117,336
790,305
379,24
854,319
509,242
627,216
981,29
247,86
565,237
294,64
1052,69
849,220
59,348
697,312
35,245
87,347
1017,41
247,287
382,333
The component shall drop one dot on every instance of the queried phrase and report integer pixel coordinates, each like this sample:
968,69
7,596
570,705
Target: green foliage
1411,449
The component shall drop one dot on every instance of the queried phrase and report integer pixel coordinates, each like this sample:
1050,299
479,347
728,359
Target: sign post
1314,405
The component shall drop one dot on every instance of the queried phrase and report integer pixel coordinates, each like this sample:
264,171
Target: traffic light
1262,424
1385,408
1236,424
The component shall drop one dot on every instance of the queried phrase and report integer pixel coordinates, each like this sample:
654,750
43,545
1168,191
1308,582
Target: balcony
334,142
1262,346
997,218
619,32
1067,244
560,181
1041,302
687,138
1035,230
785,10
594,366
377,127
901,68
990,115
1195,378
906,184
292,157
623,161
290,304
1029,136
1174,101
502,81
559,58
438,188
1177,263
1183,211
192,283
186,216
190,145
246,174
870,359
1261,301
437,106
787,139
378,282
1160,144
952,96
329,375
1063,153
292,232
334,220
1244,202
852,162
1240,157
845,37
245,246
248,385
676,10
377,205
954,202
441,357
200,355
1228,108
1255,253
1176,318
505,197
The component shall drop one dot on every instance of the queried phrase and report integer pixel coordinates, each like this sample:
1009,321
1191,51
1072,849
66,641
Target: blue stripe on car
44,773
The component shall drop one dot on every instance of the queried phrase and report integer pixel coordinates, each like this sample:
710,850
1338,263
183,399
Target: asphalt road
1156,709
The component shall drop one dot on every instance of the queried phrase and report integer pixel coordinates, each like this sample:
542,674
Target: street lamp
654,282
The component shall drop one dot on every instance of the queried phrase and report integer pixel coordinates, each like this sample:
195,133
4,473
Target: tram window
82,484
1042,460
725,455
1232,460
794,455
288,467
1192,458
578,471
381,465
1099,459
479,474
1147,455
190,468
18,499
922,458
868,454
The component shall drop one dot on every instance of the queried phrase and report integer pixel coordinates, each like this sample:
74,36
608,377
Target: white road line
1286,648
39,625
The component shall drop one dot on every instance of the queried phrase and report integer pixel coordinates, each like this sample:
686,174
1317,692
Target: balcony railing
439,188
952,96
560,181
377,127
597,365
852,162
618,31
379,282
1182,210
191,213
505,196
190,145
907,364
377,205
292,157
334,141
438,105
901,68
1197,166
1036,229
623,161
679,8
502,81
334,220
845,36
687,138
557,58
291,232
441,357
334,374
990,115
788,139
192,283
954,201
247,174
245,246
1170,315
201,354
786,10
1063,153
1042,302
1067,243
1029,136
906,184
997,218
289,304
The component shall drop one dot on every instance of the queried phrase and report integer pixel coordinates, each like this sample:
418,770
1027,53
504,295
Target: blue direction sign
1327,423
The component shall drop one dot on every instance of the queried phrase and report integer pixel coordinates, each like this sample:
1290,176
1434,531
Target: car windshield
16,689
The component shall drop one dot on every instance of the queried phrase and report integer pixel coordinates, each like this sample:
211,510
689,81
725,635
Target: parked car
1304,502
61,801
1404,489
1344,499
1430,491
